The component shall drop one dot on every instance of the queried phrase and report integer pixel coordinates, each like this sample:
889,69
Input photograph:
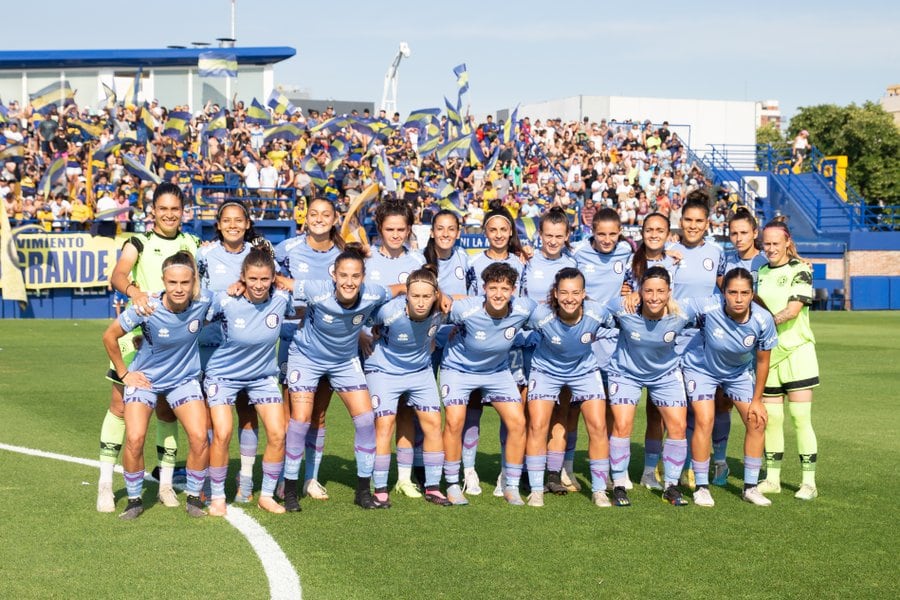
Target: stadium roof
151,57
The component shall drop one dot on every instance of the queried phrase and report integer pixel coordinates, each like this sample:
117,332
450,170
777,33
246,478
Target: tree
866,135
768,134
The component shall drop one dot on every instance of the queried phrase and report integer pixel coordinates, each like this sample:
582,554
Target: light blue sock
536,465
599,474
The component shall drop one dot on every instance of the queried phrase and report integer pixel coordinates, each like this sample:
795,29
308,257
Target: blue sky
801,53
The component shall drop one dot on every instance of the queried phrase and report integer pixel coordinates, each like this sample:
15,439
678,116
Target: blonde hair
183,258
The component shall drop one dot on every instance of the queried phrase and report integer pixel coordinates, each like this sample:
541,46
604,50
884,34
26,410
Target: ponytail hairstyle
557,215
514,246
258,257
564,273
737,273
697,199
658,272
743,214
335,234
639,259
183,258
431,256
608,215
171,189
427,274
352,251
791,246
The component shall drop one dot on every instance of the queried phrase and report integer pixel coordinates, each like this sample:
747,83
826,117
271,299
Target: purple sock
535,465
554,460
134,483
721,431
194,481
451,472
434,461
364,443
599,474
315,447
382,466
271,473
294,446
751,470
217,477
471,435
619,457
701,471
674,456
404,457
652,451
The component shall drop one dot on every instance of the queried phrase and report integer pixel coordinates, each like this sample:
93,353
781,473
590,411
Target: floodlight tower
389,95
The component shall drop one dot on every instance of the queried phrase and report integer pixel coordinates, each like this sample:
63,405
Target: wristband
127,287
122,377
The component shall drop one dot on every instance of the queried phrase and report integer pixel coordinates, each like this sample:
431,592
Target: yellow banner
66,260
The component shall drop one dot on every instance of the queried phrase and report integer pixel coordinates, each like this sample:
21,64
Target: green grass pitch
844,544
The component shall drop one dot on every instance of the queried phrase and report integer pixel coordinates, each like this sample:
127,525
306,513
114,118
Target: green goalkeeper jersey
777,287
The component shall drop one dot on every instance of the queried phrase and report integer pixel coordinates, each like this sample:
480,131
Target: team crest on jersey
212,390
619,267
670,335
586,338
357,319
376,402
402,277
271,320
749,340
460,274
708,264
432,330
331,269
294,377
691,386
194,326
129,390
445,391
510,333
782,281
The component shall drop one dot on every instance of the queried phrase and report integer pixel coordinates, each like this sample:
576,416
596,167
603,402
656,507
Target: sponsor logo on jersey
718,333
357,319
749,340
374,275
328,318
403,337
708,264
669,337
240,323
129,322
636,336
271,320
480,335
556,340
163,333
220,268
510,333
302,267
586,338
538,274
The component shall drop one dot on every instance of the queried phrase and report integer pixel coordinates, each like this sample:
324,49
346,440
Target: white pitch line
284,583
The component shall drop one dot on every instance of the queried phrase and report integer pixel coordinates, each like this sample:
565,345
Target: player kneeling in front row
166,365
245,361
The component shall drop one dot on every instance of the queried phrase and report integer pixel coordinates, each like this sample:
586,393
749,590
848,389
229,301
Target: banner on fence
66,260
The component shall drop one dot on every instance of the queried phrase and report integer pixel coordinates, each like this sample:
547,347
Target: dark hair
657,272
426,274
335,234
743,214
352,251
514,246
605,215
564,273
251,236
737,273
499,272
393,208
556,215
169,188
258,257
696,199
431,256
639,259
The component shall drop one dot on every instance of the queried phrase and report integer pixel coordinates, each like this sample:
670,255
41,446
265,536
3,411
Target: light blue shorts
700,386
603,348
547,386
387,388
186,391
223,392
304,374
665,392
495,387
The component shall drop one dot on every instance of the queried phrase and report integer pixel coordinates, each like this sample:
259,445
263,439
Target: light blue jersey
295,259
404,345
603,273
566,349
386,271
726,348
695,275
330,331
539,274
646,348
218,269
452,272
477,265
482,343
667,262
733,261
169,355
250,332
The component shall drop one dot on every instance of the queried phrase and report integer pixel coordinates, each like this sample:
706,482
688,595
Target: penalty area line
284,583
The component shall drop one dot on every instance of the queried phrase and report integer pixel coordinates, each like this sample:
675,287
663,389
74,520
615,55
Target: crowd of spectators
634,167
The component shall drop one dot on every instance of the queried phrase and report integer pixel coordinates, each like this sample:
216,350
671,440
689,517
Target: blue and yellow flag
217,126
110,95
134,166
56,94
453,113
177,125
289,132
257,113
462,78
312,168
418,118
492,161
510,129
458,147
526,227
55,172
13,152
88,130
448,204
216,63
132,94
279,103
